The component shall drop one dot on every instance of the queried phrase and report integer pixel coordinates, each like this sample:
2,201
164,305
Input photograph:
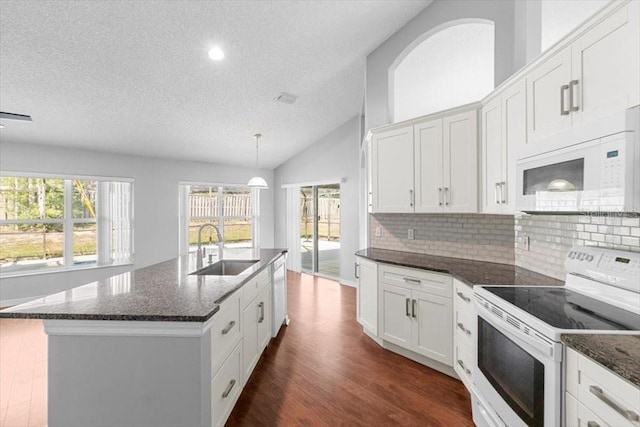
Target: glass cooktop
566,309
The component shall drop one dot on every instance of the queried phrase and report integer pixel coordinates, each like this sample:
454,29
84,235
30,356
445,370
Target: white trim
17,301
312,183
5,173
213,184
126,328
349,283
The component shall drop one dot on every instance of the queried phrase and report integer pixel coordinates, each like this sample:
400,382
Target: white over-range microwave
600,175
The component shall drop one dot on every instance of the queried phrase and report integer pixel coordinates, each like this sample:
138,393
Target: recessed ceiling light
216,54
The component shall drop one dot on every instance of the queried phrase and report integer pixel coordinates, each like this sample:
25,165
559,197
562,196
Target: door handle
563,112
356,270
461,363
572,85
410,280
406,308
503,191
463,329
463,297
446,196
411,198
227,391
627,413
413,308
496,193
226,330
261,307
439,196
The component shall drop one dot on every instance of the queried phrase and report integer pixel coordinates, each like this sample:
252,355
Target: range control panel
619,268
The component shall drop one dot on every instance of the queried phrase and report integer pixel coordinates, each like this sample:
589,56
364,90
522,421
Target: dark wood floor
323,371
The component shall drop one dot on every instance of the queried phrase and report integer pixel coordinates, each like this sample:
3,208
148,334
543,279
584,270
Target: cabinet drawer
605,394
463,364
423,281
225,330
463,295
577,415
225,388
463,325
252,288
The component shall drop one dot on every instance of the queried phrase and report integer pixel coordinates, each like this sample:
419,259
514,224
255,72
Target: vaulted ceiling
134,77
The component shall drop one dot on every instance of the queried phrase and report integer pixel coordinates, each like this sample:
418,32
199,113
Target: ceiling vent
286,98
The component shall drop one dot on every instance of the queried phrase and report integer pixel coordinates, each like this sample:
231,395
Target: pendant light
257,181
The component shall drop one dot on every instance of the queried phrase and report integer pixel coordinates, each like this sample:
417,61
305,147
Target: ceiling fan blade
12,116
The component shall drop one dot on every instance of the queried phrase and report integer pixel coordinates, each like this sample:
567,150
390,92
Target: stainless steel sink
226,267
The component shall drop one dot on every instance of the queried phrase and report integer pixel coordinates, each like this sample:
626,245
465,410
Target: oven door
518,378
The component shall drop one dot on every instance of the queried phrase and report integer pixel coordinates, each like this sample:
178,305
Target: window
560,17
50,223
454,66
233,207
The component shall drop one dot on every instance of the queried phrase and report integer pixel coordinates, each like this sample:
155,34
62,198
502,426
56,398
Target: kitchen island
156,346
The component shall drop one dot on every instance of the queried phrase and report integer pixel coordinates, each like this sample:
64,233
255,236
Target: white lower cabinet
226,387
367,295
416,311
597,397
256,320
465,331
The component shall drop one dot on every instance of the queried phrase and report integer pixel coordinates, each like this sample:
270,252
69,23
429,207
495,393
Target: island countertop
469,271
161,292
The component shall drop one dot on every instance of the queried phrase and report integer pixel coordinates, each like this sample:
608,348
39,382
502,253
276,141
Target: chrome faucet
199,253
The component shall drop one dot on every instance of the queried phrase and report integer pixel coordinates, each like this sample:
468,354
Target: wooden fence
204,206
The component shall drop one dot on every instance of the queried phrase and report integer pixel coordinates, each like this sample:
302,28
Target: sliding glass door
320,229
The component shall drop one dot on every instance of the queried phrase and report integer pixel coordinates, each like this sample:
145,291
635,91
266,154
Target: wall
551,237
155,210
333,158
509,39
471,236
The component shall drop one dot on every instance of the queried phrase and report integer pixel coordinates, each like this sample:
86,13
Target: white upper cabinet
586,86
460,161
427,165
605,66
392,170
548,97
504,134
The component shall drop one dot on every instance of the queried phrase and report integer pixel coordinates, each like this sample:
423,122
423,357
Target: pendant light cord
257,136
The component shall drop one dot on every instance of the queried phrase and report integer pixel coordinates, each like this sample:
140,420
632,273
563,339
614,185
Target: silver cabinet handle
463,297
628,414
261,307
413,308
461,363
406,307
410,280
447,197
227,390
226,330
439,196
572,86
563,112
410,197
592,424
463,329
496,193
503,191
356,270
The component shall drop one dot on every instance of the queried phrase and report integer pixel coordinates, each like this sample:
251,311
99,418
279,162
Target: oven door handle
544,349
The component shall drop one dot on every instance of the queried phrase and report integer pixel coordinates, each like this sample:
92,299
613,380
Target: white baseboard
348,283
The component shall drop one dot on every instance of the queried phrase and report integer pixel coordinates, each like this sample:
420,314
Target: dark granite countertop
468,271
618,353
160,292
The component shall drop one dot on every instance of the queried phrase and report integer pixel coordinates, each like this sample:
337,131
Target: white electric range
518,351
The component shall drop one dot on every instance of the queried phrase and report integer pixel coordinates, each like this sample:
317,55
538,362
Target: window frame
184,188
103,247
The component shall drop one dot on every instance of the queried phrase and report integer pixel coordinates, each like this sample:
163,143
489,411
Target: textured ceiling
134,76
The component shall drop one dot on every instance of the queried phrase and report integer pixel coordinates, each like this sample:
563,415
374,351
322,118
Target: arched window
445,68
560,17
